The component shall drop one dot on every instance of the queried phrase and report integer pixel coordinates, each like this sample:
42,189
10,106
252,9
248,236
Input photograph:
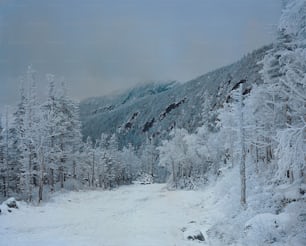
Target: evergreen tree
30,164
64,131
2,161
69,129
49,112
19,150
150,158
284,74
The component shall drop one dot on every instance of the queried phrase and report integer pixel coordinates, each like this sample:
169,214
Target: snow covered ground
151,215
131,215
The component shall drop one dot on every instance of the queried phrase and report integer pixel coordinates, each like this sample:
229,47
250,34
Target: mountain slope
154,109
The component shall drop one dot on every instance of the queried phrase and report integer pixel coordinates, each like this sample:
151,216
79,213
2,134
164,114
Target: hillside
154,109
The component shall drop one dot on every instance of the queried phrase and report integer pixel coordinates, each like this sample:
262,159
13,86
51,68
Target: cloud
101,46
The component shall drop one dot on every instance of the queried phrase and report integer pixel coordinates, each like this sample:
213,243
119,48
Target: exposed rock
148,125
192,232
11,203
194,235
162,104
8,206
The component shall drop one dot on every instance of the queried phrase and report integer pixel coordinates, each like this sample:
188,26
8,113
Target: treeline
41,147
261,128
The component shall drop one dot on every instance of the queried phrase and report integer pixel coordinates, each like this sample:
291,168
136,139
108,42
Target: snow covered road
151,215
141,215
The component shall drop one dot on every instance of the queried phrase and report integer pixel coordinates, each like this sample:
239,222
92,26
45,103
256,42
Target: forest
261,127
259,130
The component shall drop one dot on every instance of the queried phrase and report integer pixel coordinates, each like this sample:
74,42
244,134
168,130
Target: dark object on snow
12,204
196,235
0,211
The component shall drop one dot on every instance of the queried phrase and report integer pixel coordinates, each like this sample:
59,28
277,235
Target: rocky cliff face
152,110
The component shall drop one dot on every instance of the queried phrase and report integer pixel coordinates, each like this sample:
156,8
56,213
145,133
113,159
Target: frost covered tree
41,137
191,159
8,180
167,153
284,74
102,159
259,118
91,159
28,137
18,137
42,150
241,127
233,127
228,131
175,156
110,167
131,163
119,166
149,157
209,115
64,132
49,110
291,149
3,186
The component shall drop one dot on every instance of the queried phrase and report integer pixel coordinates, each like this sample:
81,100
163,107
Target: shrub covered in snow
9,205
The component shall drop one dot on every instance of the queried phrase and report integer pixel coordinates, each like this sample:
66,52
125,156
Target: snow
150,215
131,215
292,20
266,227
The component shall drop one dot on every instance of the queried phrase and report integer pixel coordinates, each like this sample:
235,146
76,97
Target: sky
101,46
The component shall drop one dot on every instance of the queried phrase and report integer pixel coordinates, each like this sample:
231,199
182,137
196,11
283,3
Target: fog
101,46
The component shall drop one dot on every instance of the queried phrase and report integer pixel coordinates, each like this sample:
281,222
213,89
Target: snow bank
151,215
9,205
274,215
267,228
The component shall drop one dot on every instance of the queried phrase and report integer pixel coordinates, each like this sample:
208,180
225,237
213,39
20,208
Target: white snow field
151,215
131,215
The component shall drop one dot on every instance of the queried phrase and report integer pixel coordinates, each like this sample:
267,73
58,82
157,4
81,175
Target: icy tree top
293,19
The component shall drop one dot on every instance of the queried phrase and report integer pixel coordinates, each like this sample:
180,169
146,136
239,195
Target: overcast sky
104,45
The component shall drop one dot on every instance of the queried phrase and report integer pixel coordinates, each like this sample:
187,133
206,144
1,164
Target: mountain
152,110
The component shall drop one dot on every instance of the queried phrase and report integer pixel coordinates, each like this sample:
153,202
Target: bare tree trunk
40,190
30,175
6,156
232,149
291,176
4,186
173,174
243,152
51,179
243,180
100,181
61,173
41,180
62,161
93,169
74,170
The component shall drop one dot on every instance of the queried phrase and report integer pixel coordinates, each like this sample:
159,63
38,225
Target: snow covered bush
9,205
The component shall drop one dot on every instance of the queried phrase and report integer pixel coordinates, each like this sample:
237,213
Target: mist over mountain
154,109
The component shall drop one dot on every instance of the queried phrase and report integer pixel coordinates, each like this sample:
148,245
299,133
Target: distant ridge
152,110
